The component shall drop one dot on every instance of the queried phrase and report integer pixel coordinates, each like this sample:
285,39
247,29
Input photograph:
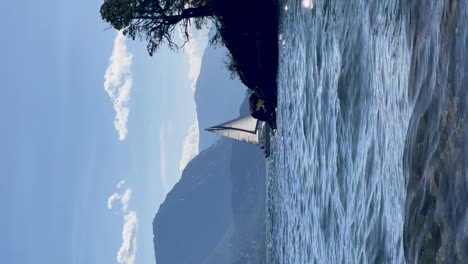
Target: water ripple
336,187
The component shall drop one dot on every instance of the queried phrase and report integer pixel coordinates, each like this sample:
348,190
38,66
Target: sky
94,133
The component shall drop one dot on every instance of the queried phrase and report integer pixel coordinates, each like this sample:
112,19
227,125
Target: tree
155,20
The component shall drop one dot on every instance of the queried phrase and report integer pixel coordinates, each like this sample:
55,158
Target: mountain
217,97
197,211
247,239
216,212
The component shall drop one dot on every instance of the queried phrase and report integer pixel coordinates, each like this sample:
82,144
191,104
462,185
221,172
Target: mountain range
216,212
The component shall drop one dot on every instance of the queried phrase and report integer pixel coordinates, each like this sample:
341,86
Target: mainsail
243,128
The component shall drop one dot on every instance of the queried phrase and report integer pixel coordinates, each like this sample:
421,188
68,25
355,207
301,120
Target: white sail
242,128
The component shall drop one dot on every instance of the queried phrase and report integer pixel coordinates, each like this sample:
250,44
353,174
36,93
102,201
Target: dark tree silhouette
155,20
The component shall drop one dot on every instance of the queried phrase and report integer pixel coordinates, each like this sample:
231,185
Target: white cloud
190,148
127,251
110,201
125,199
194,50
120,184
118,83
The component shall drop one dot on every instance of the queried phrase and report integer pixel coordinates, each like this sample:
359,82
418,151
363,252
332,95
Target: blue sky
61,157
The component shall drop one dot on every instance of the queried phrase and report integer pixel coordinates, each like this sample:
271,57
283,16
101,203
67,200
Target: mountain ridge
216,212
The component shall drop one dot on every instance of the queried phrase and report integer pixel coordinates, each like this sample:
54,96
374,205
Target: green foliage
231,65
217,38
154,21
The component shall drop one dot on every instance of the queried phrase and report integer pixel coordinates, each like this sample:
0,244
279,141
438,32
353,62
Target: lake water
355,80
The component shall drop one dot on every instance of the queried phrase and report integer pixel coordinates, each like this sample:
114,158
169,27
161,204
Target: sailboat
246,129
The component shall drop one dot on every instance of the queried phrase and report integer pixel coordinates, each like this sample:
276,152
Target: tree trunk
202,11
193,12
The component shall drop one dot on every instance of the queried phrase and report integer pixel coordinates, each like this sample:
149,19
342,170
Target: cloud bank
127,251
190,147
118,83
194,50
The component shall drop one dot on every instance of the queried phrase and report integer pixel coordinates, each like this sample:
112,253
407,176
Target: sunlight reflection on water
307,4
